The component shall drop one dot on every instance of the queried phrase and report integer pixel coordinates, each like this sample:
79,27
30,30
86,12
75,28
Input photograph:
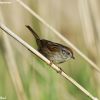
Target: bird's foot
60,70
50,63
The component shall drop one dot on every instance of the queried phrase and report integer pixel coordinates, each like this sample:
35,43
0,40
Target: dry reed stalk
96,17
88,31
13,70
94,7
59,34
56,68
12,67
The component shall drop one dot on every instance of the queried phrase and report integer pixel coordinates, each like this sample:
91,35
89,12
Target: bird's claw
60,71
51,63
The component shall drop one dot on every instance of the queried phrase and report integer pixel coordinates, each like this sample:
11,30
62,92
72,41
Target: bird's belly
56,58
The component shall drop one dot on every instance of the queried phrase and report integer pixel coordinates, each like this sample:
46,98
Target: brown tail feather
35,35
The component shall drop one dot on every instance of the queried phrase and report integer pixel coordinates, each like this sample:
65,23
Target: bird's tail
35,35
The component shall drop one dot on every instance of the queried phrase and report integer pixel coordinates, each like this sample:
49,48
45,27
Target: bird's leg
59,71
51,62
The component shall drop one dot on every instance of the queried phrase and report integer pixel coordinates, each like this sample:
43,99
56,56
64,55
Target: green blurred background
23,76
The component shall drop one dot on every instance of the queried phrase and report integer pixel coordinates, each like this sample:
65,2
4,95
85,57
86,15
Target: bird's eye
68,53
64,52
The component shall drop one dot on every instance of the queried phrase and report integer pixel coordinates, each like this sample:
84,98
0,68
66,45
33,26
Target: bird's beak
73,57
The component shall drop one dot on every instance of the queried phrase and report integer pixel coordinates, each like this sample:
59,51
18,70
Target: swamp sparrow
55,52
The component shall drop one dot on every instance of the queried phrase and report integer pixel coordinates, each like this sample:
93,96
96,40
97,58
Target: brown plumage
55,52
